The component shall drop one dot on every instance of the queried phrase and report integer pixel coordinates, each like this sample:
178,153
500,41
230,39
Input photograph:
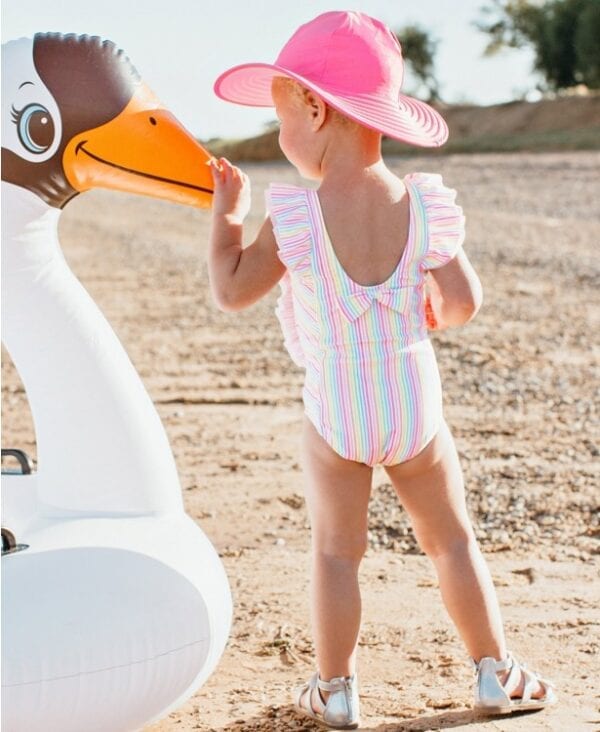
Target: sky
181,46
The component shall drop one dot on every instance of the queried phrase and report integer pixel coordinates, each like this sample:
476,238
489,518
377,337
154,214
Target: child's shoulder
285,188
443,217
282,196
432,190
427,181
289,208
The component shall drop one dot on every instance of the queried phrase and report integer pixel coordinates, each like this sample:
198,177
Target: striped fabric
372,387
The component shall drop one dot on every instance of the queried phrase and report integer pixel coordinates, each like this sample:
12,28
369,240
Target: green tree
587,45
418,50
563,34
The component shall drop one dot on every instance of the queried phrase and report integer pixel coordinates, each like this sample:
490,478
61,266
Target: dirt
565,123
521,387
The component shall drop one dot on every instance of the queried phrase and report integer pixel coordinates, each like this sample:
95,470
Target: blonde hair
298,93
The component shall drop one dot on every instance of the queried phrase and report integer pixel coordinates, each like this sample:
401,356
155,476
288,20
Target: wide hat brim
406,119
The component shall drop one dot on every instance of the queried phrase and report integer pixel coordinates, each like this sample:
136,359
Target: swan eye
35,127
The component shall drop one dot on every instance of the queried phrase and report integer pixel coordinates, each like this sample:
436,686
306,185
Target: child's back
368,222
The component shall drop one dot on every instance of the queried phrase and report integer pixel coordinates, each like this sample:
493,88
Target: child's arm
238,277
454,292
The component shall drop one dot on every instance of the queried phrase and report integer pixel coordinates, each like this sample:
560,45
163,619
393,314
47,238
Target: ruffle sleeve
443,218
288,209
287,320
290,215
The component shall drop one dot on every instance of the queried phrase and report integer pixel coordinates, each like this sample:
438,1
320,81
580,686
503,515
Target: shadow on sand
286,719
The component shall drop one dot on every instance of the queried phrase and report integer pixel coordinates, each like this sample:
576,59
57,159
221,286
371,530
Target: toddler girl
354,258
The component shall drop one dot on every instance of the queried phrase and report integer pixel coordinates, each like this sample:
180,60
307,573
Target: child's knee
458,543
340,548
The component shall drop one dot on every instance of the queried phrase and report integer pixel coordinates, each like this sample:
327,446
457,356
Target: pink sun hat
354,63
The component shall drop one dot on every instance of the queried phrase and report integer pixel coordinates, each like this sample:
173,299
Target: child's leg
337,496
430,487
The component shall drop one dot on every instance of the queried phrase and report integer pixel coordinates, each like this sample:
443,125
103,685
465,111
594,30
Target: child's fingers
216,171
232,173
222,170
430,318
232,170
226,166
236,173
242,179
224,173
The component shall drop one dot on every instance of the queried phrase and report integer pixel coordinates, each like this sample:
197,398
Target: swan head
76,116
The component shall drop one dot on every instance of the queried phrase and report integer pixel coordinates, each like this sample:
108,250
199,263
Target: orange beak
144,150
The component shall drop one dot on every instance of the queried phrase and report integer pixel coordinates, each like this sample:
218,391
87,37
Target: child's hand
429,316
452,293
432,303
232,190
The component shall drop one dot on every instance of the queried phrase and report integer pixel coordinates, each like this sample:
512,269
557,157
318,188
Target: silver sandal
491,697
340,711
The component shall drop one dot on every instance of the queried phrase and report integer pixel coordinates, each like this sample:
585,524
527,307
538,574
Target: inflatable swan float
116,607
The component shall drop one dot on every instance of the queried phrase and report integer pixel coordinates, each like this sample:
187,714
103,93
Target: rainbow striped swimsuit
372,387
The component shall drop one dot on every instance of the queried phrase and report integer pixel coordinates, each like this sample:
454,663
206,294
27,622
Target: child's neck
351,159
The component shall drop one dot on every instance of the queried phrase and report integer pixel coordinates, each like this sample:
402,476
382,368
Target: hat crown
346,53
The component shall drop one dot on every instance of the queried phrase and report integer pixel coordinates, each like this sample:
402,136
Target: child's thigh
337,496
431,489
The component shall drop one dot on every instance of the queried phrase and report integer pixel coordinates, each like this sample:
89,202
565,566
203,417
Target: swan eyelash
15,113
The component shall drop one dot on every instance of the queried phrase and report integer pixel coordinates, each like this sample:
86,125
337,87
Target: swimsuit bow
354,304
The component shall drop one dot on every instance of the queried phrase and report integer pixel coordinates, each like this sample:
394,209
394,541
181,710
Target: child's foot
507,686
339,711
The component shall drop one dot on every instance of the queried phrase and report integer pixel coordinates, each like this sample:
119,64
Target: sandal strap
514,677
341,708
502,665
530,683
306,697
336,684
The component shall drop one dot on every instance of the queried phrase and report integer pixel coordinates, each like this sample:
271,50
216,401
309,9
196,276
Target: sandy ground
521,390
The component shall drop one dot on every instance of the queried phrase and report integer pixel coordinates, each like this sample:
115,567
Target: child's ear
317,110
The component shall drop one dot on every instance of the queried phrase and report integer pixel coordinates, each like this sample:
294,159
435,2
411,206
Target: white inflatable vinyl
119,608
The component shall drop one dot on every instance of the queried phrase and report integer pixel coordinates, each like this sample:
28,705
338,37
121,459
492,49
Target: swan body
118,608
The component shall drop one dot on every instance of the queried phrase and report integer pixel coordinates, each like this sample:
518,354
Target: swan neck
101,446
